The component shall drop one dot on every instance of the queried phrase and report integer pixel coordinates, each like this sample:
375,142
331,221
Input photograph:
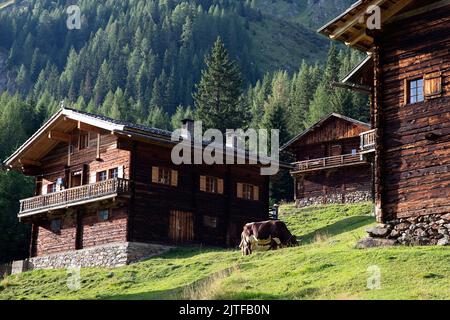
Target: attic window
83,142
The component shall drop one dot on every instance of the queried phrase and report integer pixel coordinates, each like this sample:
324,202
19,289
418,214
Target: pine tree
218,99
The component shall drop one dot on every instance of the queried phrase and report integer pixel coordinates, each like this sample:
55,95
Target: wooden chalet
407,74
329,166
101,181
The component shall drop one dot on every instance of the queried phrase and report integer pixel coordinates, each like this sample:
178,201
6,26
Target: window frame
103,211
111,173
211,184
100,174
85,144
162,178
246,188
52,188
55,228
417,88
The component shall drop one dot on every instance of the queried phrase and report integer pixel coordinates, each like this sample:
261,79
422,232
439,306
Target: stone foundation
336,198
423,230
109,255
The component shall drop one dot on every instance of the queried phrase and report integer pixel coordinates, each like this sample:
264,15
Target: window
83,142
55,225
101,176
51,188
416,91
103,215
209,221
114,173
163,175
211,184
247,191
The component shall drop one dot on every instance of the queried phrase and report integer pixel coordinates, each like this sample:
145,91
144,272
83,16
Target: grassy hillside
325,266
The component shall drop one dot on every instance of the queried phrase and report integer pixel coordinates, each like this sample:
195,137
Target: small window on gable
103,215
83,142
102,176
415,91
55,225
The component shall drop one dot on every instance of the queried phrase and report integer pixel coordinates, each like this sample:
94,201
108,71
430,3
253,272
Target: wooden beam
87,127
421,10
349,24
59,136
29,162
98,146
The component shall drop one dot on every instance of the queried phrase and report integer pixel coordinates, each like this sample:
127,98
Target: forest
154,63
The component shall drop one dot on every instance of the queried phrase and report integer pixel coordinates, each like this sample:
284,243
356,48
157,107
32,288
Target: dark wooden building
101,181
407,74
329,167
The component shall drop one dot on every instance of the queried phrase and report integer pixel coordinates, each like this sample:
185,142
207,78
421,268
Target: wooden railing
74,195
368,140
329,162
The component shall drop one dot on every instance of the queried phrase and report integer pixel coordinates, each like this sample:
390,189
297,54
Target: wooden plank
59,136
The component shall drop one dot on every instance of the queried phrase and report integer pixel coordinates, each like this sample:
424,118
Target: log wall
416,169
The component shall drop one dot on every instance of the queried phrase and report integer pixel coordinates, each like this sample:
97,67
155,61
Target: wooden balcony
368,141
74,196
328,163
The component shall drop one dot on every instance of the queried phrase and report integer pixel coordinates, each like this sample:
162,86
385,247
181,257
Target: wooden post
377,123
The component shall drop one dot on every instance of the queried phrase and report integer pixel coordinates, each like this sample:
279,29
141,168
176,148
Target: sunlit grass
325,266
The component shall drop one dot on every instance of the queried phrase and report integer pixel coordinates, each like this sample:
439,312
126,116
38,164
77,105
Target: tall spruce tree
218,100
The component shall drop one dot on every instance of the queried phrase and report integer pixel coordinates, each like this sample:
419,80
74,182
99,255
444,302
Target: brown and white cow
266,235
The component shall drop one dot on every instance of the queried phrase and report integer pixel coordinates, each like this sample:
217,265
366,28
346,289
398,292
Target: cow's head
292,242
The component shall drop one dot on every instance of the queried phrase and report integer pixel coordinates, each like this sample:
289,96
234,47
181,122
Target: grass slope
325,266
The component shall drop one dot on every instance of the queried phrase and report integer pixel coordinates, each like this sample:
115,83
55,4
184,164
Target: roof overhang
320,123
360,78
57,129
354,28
52,133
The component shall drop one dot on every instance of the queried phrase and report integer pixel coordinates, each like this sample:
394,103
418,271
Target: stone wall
338,198
109,255
422,230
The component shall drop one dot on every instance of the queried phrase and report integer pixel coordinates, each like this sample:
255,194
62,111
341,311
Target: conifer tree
218,99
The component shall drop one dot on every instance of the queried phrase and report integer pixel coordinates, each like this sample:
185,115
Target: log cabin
407,75
101,181
329,166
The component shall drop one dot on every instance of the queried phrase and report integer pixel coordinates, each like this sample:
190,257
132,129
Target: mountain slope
144,38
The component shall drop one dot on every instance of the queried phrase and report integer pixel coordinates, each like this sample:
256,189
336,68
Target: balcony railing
368,141
329,162
74,196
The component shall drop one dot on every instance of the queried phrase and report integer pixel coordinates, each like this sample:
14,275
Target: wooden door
181,226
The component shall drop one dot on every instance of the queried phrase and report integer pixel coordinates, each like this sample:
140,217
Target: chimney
187,129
